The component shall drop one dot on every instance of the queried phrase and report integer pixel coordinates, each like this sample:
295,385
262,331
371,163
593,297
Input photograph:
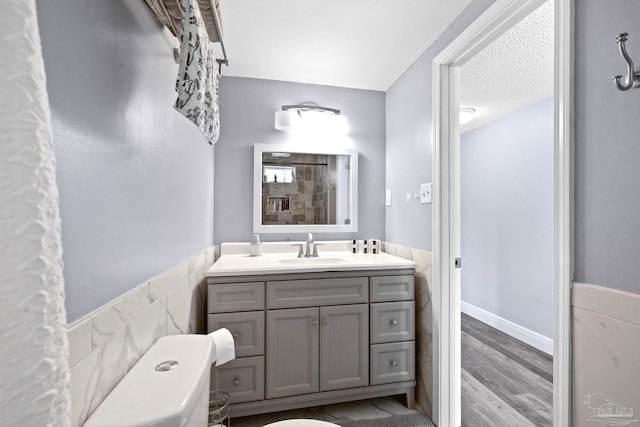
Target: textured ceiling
364,44
368,44
514,71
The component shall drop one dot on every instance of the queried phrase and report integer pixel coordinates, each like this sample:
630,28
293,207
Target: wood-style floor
505,382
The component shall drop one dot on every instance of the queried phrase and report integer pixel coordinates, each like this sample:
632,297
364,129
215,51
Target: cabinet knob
236,335
325,321
314,322
236,381
393,363
393,322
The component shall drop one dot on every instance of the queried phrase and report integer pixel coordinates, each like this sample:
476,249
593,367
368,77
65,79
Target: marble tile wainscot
424,315
105,344
606,351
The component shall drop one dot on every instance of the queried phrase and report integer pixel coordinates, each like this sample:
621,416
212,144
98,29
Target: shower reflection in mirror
305,189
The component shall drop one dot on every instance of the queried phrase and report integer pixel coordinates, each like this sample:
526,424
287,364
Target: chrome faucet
307,252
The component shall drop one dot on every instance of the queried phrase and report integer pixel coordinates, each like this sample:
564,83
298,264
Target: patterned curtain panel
198,77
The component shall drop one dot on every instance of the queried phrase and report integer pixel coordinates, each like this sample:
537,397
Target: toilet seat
301,422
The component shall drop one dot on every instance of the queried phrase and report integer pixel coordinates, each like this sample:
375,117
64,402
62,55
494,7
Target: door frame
497,19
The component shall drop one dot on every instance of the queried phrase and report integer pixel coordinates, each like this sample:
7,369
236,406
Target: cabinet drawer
247,330
236,297
392,321
317,292
242,378
392,288
393,362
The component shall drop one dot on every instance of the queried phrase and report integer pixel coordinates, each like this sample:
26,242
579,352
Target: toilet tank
175,397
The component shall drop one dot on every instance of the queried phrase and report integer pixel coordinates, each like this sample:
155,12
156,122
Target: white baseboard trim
521,333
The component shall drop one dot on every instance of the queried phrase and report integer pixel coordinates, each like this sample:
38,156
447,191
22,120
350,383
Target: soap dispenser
255,247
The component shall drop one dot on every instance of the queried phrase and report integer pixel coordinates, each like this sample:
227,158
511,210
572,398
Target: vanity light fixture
310,116
465,114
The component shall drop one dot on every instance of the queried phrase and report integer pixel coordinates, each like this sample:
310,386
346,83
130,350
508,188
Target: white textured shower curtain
34,371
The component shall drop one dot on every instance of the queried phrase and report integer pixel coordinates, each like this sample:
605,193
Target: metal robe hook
633,76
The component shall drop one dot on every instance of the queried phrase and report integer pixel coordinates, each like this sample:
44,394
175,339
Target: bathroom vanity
312,331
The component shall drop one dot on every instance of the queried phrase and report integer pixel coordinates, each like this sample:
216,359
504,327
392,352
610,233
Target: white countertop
281,257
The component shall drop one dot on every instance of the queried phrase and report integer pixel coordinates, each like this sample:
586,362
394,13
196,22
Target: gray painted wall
135,177
410,139
507,217
247,108
607,140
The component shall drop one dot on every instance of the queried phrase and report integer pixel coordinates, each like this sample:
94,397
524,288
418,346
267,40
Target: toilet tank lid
147,397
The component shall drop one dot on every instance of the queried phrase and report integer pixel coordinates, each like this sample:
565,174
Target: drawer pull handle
236,336
325,321
314,322
393,322
236,381
393,363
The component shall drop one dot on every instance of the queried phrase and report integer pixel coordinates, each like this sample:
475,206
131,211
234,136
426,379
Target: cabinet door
292,352
344,346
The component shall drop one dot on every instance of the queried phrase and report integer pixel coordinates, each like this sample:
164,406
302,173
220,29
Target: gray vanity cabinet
305,339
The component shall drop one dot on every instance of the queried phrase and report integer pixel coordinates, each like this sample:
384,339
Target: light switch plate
387,198
425,193
407,197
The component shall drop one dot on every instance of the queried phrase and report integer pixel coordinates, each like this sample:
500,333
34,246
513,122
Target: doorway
506,223
501,16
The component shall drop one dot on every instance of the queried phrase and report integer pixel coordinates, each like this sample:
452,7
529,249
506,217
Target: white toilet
159,392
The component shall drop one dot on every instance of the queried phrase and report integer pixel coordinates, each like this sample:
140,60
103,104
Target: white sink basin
312,261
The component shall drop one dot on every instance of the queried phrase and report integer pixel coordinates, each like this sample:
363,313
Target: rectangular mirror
301,190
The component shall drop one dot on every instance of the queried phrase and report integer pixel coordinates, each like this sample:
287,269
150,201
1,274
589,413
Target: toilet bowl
300,422
168,387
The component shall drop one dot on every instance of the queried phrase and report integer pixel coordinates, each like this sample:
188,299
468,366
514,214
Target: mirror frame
258,227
